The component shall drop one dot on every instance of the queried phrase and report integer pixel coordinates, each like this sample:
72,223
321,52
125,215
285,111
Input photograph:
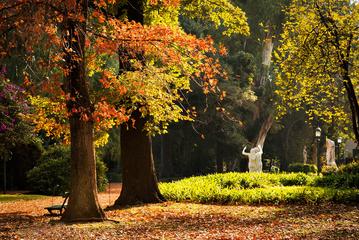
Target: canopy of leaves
155,83
319,36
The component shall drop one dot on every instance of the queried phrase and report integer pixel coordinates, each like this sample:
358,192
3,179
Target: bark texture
139,181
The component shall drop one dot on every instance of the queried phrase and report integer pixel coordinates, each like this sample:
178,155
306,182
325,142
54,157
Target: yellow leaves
220,13
49,116
310,75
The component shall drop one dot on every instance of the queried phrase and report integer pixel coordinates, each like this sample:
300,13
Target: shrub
51,176
344,180
254,188
329,170
351,168
299,179
305,168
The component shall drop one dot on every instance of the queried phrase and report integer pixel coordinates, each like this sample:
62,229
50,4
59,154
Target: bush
305,168
344,180
254,188
51,176
299,179
329,170
351,168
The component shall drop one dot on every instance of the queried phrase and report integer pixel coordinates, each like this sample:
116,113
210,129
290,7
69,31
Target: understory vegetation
255,188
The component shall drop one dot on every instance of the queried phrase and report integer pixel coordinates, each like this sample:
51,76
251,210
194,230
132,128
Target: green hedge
51,176
253,188
344,180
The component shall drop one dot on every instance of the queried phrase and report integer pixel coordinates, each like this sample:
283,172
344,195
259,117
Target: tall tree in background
266,19
318,61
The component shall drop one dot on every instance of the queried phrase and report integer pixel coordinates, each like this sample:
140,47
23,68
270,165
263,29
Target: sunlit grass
16,197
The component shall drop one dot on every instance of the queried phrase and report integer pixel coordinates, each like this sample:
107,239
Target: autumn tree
139,180
81,40
318,61
30,23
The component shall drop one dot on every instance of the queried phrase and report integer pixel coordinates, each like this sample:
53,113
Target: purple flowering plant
12,103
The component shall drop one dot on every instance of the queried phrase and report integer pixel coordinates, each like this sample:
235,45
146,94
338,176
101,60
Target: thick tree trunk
139,181
83,203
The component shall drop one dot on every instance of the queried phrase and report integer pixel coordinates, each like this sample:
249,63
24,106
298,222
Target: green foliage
101,170
352,168
253,188
344,180
52,174
305,168
329,170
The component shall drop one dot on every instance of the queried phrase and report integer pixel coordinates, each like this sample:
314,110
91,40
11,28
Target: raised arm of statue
244,151
260,149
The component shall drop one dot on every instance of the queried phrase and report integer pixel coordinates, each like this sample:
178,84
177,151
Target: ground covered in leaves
27,219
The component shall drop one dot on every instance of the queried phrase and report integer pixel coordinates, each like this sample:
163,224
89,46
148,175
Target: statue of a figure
255,159
330,144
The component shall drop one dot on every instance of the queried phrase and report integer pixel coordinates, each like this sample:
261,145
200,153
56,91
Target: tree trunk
314,153
139,181
266,62
353,103
266,57
83,203
267,124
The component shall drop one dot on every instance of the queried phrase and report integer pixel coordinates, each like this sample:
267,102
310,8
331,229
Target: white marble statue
255,159
330,144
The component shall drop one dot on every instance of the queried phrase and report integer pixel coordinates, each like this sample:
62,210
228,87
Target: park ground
27,219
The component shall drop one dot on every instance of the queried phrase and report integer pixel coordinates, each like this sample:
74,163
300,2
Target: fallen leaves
26,220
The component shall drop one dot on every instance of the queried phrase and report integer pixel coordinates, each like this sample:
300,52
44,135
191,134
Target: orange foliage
37,24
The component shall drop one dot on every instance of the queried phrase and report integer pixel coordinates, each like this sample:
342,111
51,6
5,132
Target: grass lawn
15,197
27,220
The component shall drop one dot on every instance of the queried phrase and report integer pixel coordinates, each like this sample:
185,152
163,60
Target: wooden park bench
52,209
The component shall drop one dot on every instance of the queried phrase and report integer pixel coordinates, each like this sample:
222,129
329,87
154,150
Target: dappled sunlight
169,220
